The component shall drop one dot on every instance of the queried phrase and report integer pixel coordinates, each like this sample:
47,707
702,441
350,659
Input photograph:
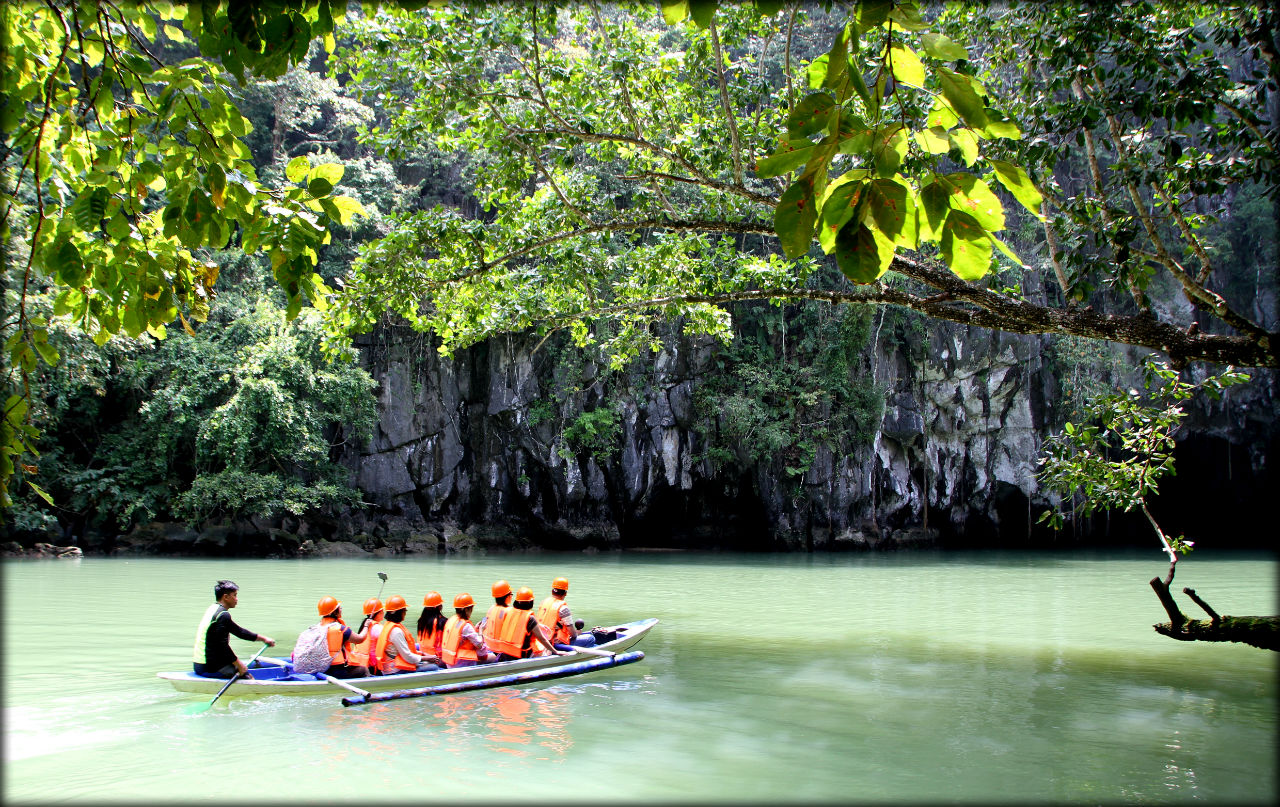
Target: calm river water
920,677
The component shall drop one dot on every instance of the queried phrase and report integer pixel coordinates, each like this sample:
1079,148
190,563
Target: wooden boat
276,676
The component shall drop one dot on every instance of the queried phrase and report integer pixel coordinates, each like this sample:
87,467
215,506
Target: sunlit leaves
1015,180
795,217
966,246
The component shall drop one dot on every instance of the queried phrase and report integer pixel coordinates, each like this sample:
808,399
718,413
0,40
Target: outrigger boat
276,676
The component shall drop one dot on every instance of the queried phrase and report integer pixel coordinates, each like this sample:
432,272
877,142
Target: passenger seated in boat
395,649
520,629
462,645
339,637
554,615
491,625
431,623
212,655
362,653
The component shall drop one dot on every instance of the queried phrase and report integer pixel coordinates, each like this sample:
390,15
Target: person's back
491,626
338,636
431,623
394,651
520,630
361,654
557,619
460,643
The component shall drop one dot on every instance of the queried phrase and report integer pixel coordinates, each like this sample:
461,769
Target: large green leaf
966,142
702,12
860,254
795,217
933,140
933,207
842,200
869,14
68,264
1015,181
906,65
964,100
975,197
789,156
297,169
966,246
89,208
942,47
894,211
888,147
810,115
330,172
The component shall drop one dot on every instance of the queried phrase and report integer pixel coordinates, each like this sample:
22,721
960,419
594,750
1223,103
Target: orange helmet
372,605
561,583
395,602
328,605
501,589
463,600
432,599
525,594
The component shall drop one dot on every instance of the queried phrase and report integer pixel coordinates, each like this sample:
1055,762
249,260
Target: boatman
213,657
555,616
461,645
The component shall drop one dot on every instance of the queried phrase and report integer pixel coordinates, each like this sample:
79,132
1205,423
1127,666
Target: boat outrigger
276,676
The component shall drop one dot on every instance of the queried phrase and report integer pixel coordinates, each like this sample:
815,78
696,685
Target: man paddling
212,656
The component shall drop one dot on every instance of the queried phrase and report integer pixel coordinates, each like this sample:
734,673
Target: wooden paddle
197,708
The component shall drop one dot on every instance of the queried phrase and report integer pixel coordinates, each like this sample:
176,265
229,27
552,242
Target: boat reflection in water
510,718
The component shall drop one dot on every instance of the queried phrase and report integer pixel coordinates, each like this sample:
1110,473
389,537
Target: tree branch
728,109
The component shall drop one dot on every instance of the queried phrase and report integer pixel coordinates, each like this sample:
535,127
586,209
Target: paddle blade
197,708
382,576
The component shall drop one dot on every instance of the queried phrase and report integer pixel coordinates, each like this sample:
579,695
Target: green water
917,677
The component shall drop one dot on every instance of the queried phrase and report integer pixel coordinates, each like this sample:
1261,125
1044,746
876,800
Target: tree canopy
639,162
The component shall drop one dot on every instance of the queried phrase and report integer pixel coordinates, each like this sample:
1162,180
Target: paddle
335,681
197,708
594,651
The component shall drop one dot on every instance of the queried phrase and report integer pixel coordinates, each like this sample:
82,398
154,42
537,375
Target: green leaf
1016,182
888,148
964,100
861,255
332,172
702,12
935,200
89,208
297,169
1009,253
906,65
894,211
842,201
348,208
1000,126
973,196
673,11
966,246
871,14
795,218
810,115
933,140
942,47
789,156
46,350
966,142
40,492
319,187
817,71
68,264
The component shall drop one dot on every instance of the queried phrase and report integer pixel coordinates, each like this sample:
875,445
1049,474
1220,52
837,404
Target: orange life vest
452,648
361,655
387,663
515,638
431,638
549,618
493,623
337,648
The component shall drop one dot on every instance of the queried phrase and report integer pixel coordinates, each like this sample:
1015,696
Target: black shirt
217,642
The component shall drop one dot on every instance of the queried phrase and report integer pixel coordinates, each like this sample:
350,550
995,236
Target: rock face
469,449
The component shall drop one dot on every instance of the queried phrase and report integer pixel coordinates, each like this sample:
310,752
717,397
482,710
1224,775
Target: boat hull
274,679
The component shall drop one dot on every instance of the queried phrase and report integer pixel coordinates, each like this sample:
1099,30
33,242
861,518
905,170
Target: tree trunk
1258,631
